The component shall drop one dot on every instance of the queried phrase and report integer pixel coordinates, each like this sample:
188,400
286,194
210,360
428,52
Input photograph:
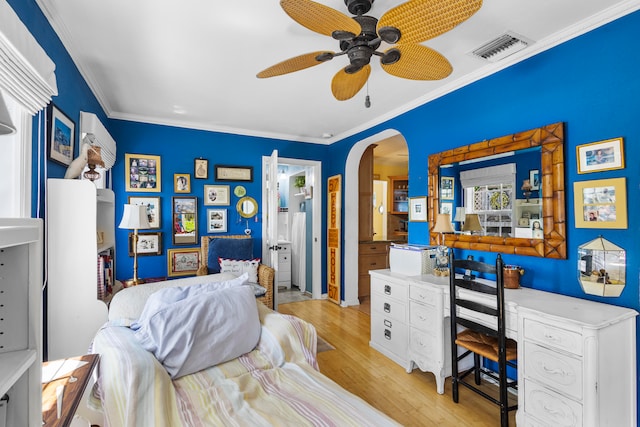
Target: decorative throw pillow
241,266
228,248
203,330
164,297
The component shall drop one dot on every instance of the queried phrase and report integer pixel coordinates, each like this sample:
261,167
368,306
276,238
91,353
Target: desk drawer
552,336
390,289
389,333
423,317
423,295
562,373
423,344
388,307
551,408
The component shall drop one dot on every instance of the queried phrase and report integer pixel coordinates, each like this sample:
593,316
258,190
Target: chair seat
485,345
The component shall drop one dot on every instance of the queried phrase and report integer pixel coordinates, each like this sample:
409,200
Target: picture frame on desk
149,243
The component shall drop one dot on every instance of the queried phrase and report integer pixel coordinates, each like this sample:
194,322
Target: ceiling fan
404,27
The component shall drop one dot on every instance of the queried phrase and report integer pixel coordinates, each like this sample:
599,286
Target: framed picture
153,208
61,136
446,187
216,195
183,261
148,243
418,209
181,183
536,229
201,168
600,156
601,203
233,173
185,220
217,220
142,172
446,208
534,179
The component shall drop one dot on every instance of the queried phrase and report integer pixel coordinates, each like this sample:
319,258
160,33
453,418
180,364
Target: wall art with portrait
185,220
142,172
181,183
601,203
61,136
216,195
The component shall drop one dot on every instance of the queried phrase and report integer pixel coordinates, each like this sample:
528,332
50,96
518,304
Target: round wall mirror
247,207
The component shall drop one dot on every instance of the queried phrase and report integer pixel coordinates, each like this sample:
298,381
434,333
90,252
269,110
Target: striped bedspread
276,384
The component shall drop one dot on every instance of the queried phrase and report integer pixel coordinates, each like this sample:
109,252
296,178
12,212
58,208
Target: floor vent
501,47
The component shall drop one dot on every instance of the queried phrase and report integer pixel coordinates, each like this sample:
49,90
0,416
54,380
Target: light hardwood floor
410,399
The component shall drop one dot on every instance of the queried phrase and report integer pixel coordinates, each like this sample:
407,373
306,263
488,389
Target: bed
277,383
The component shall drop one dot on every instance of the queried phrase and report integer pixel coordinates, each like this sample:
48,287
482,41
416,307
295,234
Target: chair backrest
469,304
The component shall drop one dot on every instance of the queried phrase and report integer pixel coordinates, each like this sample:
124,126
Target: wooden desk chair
476,338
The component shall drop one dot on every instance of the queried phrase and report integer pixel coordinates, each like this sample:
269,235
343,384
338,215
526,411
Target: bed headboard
204,249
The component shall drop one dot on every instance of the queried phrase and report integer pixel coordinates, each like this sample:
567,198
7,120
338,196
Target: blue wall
589,83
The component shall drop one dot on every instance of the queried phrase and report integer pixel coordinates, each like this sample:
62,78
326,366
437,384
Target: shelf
12,365
12,235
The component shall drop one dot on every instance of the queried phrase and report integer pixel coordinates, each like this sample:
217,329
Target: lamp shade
443,224
459,216
134,217
6,125
472,223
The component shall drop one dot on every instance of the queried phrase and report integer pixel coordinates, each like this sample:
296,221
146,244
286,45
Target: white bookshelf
21,320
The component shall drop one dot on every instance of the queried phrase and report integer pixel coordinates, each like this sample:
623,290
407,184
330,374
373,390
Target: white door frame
351,218
316,229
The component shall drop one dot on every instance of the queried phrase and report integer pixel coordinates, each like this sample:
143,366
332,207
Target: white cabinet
20,319
80,228
284,264
580,370
428,328
389,312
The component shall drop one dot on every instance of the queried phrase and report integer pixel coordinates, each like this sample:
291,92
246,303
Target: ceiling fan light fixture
342,35
390,35
391,56
324,56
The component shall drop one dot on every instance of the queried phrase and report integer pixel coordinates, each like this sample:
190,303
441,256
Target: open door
270,240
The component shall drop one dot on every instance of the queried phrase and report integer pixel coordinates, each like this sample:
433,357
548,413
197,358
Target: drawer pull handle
387,307
552,411
551,337
387,323
387,289
387,334
554,371
421,317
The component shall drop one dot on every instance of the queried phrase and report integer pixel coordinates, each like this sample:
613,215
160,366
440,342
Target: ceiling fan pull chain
367,100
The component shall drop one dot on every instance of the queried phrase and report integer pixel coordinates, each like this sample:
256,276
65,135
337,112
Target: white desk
576,358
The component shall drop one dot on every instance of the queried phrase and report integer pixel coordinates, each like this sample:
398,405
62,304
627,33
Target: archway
350,258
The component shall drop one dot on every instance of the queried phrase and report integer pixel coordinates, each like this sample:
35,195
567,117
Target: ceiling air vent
502,46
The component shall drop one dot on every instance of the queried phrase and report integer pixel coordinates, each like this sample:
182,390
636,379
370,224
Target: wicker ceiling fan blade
420,20
290,65
418,62
318,17
344,85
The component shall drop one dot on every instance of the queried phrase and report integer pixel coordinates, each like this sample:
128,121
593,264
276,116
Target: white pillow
167,296
203,330
240,266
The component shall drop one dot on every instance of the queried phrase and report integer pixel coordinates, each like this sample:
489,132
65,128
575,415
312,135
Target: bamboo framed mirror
550,140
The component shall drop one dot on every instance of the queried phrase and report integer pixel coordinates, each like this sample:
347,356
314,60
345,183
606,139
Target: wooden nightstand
73,389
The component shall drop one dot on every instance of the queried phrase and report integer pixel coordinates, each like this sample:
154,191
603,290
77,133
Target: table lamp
135,218
472,223
459,216
443,225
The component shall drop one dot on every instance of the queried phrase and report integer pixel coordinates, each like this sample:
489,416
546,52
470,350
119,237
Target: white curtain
298,250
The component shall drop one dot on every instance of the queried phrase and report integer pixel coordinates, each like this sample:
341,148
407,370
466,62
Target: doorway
351,214
299,221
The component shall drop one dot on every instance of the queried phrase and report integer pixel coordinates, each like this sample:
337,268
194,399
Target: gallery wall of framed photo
197,198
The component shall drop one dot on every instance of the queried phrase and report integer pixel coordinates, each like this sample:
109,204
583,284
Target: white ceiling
192,63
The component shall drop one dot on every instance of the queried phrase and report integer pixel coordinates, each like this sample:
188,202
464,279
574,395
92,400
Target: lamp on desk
472,223
135,218
443,225
459,216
